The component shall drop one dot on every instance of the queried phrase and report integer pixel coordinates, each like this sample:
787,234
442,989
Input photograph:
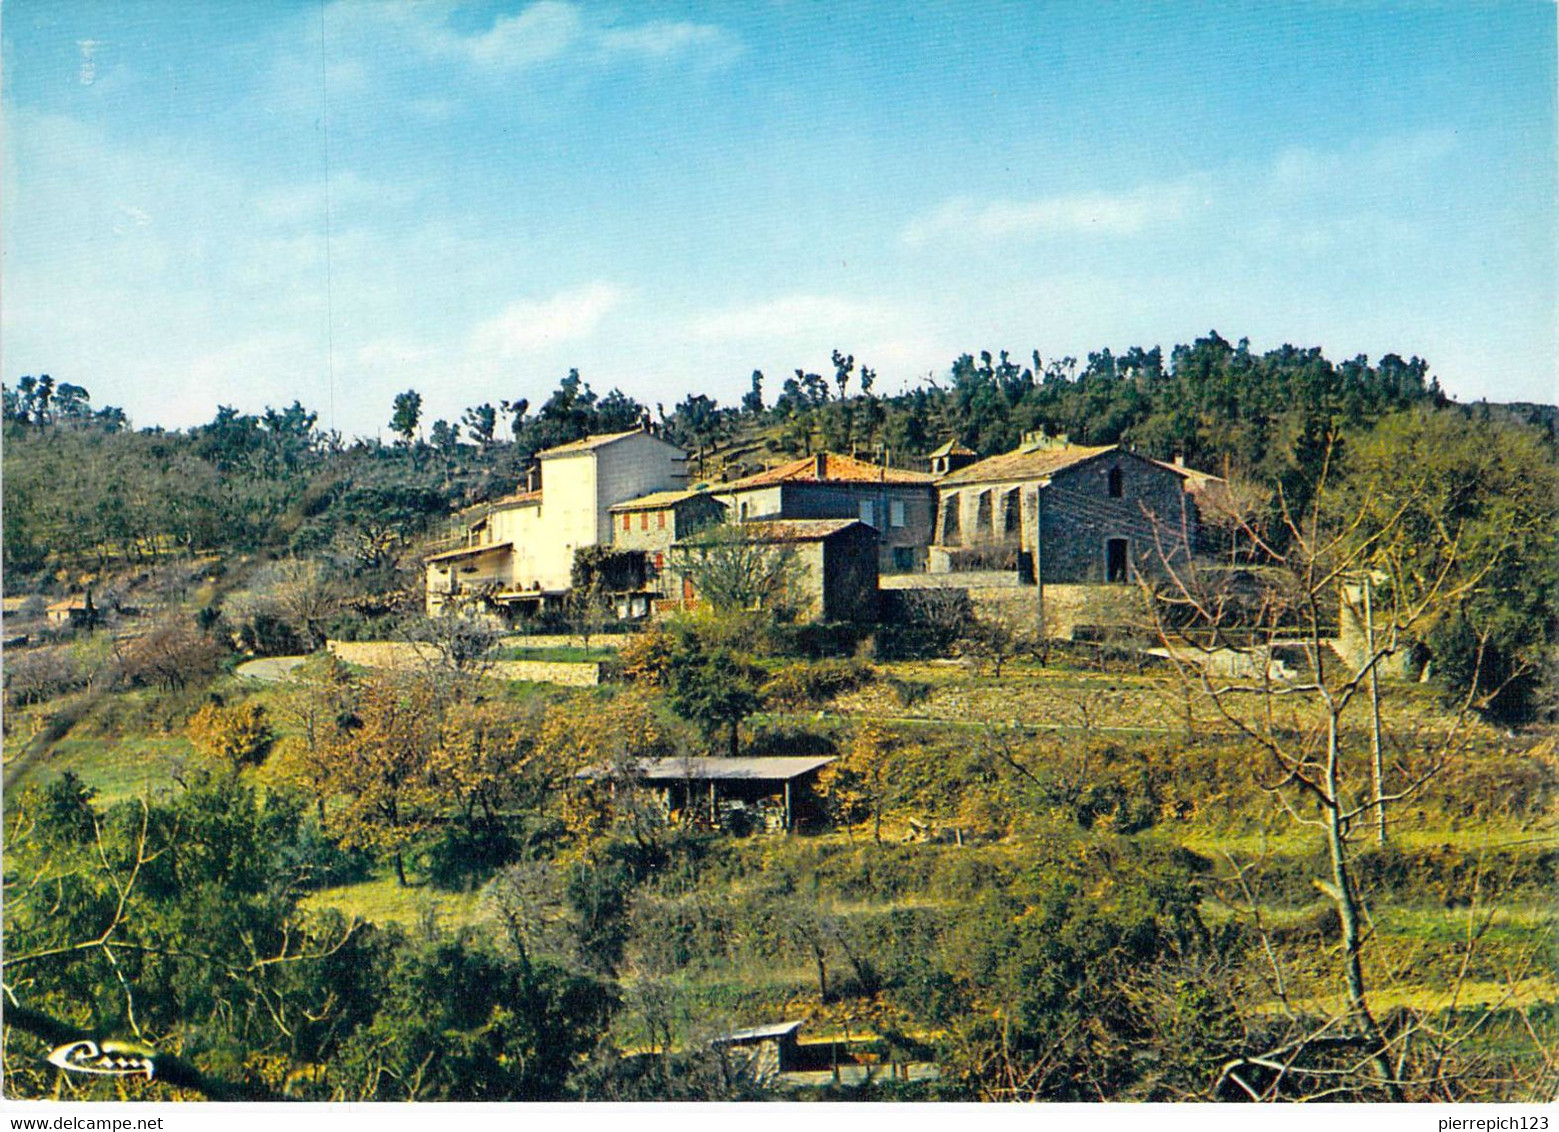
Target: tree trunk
400,869
1348,914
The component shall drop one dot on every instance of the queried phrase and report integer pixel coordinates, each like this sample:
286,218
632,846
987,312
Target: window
660,562
644,520
1115,483
903,558
660,519
895,513
868,513
1115,560
627,522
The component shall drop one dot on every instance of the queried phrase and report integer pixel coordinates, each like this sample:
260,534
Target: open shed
768,793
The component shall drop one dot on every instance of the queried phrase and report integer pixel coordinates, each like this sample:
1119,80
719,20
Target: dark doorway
1115,560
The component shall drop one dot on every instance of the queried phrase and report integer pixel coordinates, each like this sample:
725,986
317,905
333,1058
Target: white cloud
1121,214
795,315
528,325
539,33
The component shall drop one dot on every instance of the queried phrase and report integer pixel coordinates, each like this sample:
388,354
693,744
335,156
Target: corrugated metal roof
706,769
1032,464
835,469
759,1033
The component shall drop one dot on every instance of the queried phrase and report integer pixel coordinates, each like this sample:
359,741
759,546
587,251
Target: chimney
820,461
533,477
1179,459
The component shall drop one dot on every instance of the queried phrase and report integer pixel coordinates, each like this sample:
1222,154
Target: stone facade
652,525
1086,515
899,504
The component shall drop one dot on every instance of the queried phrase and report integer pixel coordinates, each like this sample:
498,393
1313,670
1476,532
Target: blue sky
671,195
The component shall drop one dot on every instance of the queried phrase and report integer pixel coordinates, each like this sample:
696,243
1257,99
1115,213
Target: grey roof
600,440
704,769
759,1033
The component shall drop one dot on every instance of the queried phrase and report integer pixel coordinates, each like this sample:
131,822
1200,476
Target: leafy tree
408,411
715,690
380,767
733,566
481,422
752,400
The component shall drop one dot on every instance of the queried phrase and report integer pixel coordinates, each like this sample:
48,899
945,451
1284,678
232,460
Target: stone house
517,553
899,504
650,525
833,564
1084,515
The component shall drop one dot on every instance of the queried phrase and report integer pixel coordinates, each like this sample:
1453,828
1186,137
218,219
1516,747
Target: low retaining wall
999,593
404,655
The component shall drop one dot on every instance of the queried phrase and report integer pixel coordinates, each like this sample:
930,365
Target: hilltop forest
1037,870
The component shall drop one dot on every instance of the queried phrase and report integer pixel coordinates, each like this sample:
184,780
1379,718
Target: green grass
382,900
560,654
118,769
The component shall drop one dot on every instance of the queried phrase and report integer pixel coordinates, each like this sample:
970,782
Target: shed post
714,812
787,805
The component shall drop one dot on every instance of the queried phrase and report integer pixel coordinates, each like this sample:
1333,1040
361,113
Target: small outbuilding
768,1051
752,793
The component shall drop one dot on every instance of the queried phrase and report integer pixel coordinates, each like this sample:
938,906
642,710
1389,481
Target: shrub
816,682
238,735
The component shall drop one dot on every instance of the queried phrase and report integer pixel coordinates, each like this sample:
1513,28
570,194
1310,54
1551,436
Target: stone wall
1068,608
404,656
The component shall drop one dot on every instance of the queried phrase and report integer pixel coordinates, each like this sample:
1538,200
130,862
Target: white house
519,551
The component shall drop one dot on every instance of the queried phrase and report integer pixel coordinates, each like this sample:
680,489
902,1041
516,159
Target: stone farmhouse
518,552
899,504
1087,521
1065,513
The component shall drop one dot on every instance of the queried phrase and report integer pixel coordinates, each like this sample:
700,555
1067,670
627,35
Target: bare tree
1229,650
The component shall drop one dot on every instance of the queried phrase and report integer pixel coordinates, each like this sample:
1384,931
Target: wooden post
787,805
714,812
1377,768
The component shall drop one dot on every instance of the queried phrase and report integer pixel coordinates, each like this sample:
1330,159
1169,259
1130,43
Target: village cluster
1082,520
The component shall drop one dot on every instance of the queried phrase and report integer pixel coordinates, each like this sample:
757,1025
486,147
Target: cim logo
111,1059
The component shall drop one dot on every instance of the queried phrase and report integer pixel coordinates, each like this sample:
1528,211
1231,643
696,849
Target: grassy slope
131,742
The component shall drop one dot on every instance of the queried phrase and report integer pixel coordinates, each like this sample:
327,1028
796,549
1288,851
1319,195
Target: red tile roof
835,469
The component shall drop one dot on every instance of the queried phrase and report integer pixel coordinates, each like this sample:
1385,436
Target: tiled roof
953,448
1033,464
1194,480
518,499
590,443
658,499
68,603
835,469
801,530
